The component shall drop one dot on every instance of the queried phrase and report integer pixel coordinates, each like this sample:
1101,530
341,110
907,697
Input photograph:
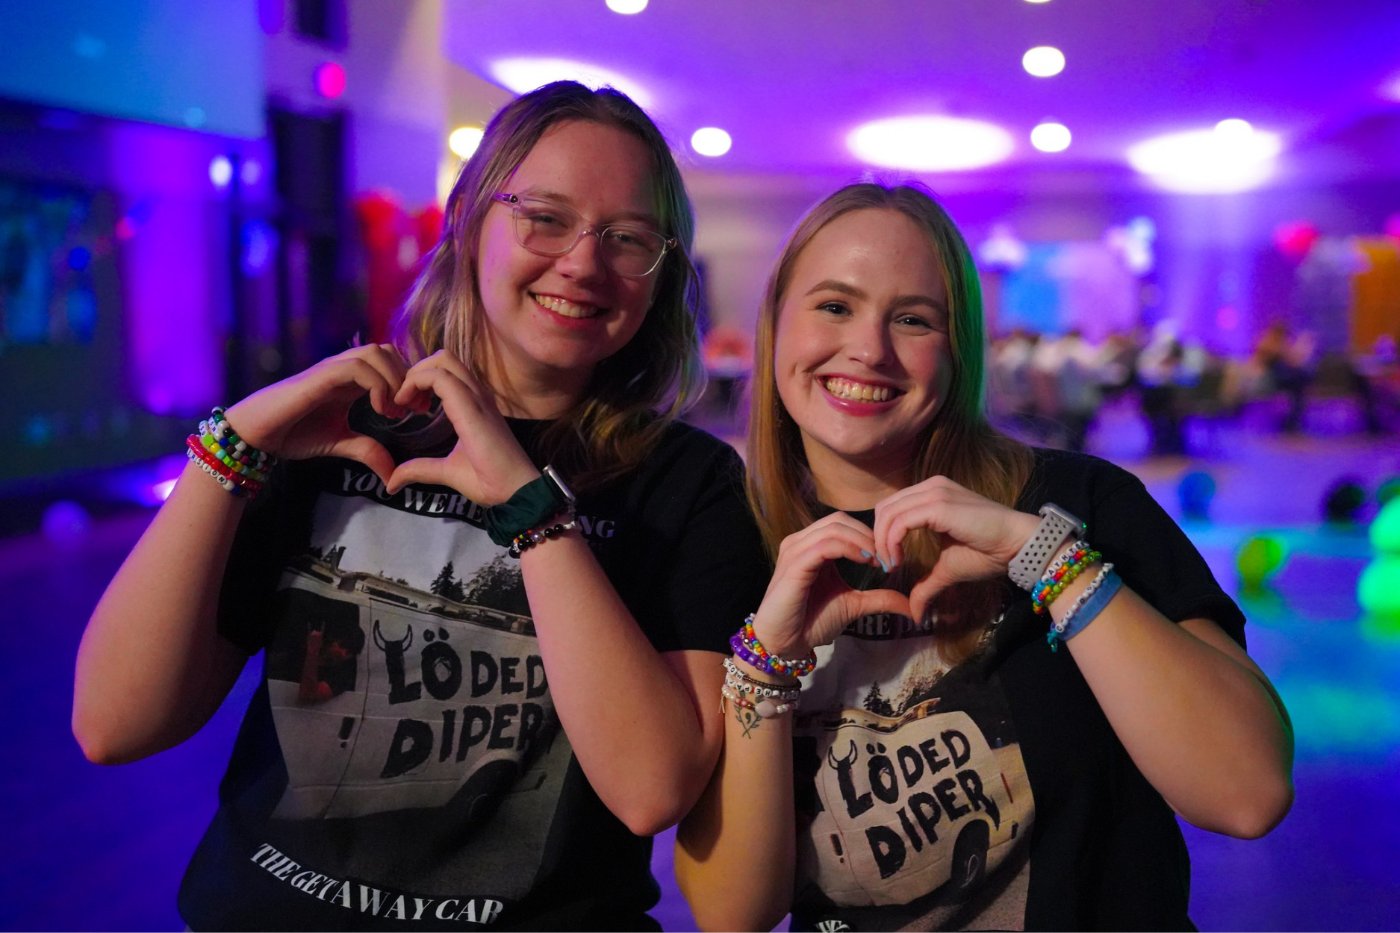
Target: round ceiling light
930,143
710,141
1231,156
1043,61
1050,137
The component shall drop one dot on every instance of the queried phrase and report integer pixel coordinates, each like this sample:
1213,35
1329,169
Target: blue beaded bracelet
1104,587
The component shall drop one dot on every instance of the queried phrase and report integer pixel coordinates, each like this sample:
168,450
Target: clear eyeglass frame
638,262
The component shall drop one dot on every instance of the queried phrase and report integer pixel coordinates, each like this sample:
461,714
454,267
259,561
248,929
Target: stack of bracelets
237,466
750,650
765,699
1088,604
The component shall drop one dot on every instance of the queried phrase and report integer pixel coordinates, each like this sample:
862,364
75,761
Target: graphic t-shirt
402,765
993,794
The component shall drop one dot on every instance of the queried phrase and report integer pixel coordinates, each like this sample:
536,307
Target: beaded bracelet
533,536
750,650
736,678
235,483
1076,547
234,445
1048,589
764,709
228,459
1086,607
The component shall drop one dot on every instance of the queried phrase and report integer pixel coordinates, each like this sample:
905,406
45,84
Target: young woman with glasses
490,571
1022,667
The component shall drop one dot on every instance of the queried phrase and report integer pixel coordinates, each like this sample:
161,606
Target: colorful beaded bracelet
1054,582
233,482
750,650
1086,607
217,427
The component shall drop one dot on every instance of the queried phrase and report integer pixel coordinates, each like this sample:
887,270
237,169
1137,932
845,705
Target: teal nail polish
866,554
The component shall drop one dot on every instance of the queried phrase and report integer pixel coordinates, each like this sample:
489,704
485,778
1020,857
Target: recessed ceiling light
1231,156
1050,137
929,143
710,141
1043,61
627,7
526,74
464,140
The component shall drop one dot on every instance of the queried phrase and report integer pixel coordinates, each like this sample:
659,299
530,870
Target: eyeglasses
549,228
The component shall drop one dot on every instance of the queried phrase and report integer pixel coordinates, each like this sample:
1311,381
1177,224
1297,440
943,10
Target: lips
852,391
566,308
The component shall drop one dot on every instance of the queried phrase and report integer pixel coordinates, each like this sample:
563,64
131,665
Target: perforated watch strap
1056,526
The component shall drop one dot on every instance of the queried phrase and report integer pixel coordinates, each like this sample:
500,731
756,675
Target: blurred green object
1378,590
1385,529
1259,558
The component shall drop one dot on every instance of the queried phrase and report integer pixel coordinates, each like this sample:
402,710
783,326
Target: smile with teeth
857,391
567,308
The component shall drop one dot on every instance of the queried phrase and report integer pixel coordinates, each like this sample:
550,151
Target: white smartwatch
1056,527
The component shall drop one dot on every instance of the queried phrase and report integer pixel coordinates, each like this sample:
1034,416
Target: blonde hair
634,394
959,443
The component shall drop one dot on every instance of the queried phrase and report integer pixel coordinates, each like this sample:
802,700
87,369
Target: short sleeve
1146,547
694,564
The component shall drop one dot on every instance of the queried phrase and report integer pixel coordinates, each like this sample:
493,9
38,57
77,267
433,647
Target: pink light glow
329,79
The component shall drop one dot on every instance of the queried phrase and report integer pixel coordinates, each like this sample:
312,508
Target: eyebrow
547,195
903,301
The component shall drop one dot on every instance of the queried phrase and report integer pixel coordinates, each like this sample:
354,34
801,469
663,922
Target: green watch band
532,505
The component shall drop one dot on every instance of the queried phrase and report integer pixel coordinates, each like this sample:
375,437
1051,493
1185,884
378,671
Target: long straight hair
959,443
637,392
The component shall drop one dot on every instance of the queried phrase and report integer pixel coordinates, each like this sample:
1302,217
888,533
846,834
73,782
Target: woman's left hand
487,464
977,537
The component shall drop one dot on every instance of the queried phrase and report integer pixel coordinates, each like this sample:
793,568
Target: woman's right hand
307,415
807,603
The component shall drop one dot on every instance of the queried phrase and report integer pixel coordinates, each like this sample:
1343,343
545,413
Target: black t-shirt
994,794
402,765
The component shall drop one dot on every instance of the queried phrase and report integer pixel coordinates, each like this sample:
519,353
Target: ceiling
788,79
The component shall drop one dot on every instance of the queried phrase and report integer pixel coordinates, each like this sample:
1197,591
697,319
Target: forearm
1197,716
645,727
151,666
736,851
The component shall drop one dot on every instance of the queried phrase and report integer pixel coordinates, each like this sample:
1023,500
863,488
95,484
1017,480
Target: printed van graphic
909,805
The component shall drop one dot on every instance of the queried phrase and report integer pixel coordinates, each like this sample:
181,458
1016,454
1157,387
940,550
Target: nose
584,262
869,342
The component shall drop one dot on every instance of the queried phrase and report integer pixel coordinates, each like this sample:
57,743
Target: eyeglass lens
554,230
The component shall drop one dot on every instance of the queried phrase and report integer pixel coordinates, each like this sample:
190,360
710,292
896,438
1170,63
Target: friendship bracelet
1077,547
764,709
216,467
743,683
1048,589
234,445
533,536
237,488
750,650
1086,608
